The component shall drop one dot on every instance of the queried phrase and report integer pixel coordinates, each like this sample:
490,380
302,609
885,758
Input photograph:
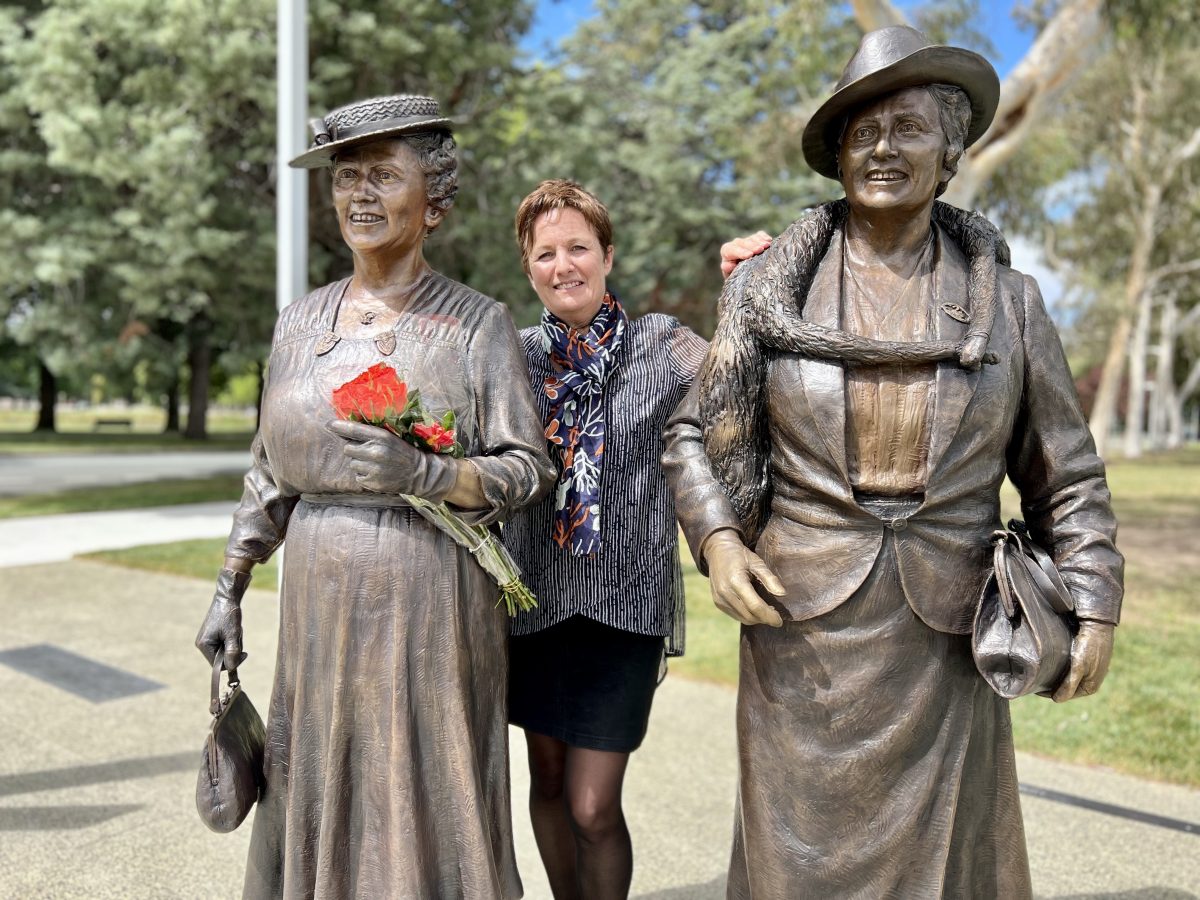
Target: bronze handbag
231,768
1025,622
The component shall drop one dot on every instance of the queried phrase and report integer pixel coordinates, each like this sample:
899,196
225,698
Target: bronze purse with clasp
1025,622
231,768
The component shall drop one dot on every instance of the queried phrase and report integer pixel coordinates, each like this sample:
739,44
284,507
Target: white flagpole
291,185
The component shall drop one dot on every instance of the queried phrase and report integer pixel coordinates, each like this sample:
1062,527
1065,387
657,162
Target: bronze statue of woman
387,745
874,377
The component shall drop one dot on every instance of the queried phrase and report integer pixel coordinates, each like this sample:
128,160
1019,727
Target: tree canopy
137,223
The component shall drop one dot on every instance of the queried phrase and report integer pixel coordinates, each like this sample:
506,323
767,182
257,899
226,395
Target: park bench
110,422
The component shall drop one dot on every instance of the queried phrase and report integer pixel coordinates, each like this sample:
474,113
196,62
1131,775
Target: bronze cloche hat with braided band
369,120
888,60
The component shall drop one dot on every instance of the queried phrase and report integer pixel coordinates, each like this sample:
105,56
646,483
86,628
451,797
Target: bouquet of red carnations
379,397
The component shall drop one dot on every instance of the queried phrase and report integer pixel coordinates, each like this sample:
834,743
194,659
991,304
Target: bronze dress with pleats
387,754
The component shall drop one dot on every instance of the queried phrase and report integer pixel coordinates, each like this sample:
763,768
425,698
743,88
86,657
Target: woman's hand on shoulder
741,249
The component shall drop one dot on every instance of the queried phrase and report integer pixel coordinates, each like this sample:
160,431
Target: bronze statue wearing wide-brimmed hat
888,60
386,769
874,376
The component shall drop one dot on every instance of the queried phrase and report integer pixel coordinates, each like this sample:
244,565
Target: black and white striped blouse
634,583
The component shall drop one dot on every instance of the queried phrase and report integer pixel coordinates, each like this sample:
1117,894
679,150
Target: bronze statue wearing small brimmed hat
888,60
369,120
423,798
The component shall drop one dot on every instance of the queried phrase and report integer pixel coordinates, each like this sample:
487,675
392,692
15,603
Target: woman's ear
608,259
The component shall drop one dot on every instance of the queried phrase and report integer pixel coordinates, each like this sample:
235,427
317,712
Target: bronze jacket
1020,418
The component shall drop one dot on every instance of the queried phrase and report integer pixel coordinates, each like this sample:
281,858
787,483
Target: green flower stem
491,555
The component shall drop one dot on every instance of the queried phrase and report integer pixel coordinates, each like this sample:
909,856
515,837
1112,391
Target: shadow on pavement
75,776
59,818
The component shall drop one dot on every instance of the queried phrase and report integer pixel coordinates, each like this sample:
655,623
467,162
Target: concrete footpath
44,539
105,699
41,473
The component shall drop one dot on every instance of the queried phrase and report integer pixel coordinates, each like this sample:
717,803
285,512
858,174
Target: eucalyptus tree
1134,226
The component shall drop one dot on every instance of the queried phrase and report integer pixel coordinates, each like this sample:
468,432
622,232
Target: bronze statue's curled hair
560,193
439,163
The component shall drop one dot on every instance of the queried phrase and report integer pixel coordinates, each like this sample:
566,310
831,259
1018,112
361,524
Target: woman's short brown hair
559,193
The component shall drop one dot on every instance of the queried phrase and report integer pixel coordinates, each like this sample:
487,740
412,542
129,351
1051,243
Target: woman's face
379,195
567,266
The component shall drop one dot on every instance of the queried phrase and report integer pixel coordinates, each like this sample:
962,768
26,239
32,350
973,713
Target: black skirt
585,683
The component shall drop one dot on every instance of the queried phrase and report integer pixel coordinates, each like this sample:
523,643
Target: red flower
378,397
373,397
436,437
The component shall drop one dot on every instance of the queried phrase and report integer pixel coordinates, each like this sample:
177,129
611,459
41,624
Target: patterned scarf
582,361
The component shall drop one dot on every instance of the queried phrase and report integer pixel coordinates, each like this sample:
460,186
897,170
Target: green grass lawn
193,559
1146,718
228,430
168,492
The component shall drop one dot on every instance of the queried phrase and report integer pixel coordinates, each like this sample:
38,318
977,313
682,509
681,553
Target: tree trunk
199,362
172,406
1104,408
1175,435
1163,397
1136,406
47,397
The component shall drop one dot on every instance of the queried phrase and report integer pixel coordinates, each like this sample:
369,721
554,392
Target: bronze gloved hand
732,569
1091,652
385,464
221,631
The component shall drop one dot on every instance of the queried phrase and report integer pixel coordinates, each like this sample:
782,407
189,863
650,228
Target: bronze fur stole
760,313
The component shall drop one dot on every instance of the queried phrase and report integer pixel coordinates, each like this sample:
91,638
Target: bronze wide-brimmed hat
369,120
888,60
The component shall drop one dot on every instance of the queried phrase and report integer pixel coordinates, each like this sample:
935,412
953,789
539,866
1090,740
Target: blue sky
554,19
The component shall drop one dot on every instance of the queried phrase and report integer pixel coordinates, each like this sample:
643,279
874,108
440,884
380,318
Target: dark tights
575,805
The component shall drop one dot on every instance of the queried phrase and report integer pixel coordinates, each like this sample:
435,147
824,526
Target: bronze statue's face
892,153
379,195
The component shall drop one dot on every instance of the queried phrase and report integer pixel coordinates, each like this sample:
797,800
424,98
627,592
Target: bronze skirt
874,761
387,746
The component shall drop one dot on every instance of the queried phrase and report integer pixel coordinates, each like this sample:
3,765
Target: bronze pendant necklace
385,343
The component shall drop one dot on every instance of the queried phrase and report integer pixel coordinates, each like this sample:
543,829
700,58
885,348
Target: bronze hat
888,60
369,120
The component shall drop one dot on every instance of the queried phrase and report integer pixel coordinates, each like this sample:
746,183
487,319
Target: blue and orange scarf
582,360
